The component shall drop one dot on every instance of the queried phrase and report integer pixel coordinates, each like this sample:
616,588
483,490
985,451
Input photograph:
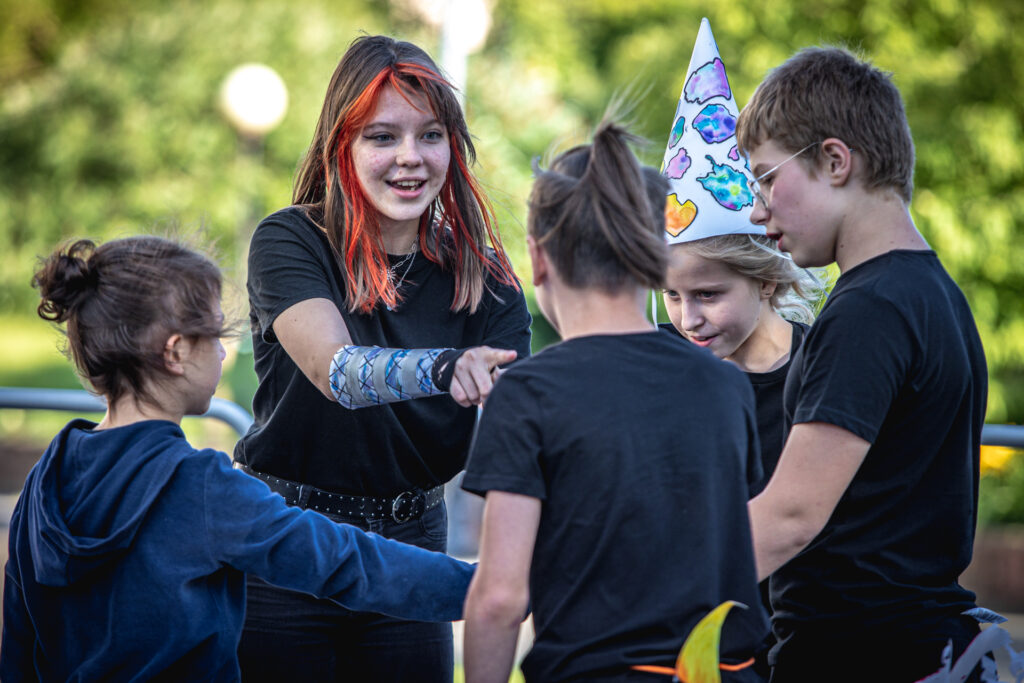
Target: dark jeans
291,636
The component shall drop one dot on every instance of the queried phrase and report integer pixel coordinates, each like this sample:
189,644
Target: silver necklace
409,258
407,262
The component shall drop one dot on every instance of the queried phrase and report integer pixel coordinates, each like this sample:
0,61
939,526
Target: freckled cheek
370,165
380,164
440,160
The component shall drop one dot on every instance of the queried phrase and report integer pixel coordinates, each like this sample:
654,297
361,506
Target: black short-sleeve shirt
768,389
768,392
299,434
640,447
895,358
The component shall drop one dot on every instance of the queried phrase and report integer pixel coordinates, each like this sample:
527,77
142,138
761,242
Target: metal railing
1003,435
81,401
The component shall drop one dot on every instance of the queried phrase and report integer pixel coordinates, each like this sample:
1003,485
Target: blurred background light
254,99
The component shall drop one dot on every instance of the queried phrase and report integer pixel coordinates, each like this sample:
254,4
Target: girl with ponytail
382,305
619,533
129,548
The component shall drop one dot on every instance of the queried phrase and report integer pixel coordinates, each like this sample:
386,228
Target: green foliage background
109,123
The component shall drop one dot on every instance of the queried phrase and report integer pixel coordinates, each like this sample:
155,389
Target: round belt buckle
405,508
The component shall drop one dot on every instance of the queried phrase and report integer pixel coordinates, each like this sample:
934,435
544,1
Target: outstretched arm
499,593
314,335
817,465
252,529
311,332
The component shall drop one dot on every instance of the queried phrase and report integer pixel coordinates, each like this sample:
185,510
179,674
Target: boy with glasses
869,518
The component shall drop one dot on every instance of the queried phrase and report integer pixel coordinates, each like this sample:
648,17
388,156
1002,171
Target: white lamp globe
254,99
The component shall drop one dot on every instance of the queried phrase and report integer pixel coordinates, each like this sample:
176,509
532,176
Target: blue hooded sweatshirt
128,554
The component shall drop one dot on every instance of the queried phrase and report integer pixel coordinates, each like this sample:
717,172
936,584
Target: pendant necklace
409,258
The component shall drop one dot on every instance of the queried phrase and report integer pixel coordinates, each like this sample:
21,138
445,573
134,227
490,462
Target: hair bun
64,278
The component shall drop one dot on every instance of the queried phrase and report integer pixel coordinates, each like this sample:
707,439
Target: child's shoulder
291,220
659,350
892,268
898,279
160,441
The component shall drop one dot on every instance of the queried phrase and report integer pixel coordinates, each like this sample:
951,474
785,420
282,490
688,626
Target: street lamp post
253,99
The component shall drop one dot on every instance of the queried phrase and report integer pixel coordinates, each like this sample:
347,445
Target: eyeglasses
754,185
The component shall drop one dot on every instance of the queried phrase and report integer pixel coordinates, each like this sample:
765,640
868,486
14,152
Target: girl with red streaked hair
382,305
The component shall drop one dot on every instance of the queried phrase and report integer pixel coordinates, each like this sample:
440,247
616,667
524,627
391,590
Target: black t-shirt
894,358
768,387
298,433
640,447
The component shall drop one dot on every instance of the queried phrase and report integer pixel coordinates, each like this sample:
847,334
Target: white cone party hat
708,193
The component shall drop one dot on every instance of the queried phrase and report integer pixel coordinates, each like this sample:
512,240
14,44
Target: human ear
836,160
768,289
174,354
538,261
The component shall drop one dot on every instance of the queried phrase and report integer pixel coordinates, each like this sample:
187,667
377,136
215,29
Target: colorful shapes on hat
678,216
705,198
677,165
677,131
706,82
727,185
715,123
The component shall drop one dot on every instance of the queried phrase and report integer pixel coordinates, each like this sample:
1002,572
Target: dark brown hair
453,233
121,301
597,215
825,92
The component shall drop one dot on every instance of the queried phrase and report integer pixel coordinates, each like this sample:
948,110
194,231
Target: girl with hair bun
382,305
128,547
619,533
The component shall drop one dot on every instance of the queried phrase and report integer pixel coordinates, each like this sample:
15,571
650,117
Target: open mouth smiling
406,185
703,341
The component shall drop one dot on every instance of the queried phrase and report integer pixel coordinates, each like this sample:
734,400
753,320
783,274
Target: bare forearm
777,537
499,593
817,464
490,647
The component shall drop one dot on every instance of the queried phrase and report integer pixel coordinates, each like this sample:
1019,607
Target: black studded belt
404,507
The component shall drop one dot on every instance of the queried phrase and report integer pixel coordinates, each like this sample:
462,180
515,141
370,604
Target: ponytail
594,214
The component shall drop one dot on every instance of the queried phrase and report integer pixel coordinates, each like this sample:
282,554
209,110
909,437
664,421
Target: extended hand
476,372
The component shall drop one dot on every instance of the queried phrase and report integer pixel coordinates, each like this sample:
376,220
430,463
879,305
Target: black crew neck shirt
768,388
895,358
641,448
298,433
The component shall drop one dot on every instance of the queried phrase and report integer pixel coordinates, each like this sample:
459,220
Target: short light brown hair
824,92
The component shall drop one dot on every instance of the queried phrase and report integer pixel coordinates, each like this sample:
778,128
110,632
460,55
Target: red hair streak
361,245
